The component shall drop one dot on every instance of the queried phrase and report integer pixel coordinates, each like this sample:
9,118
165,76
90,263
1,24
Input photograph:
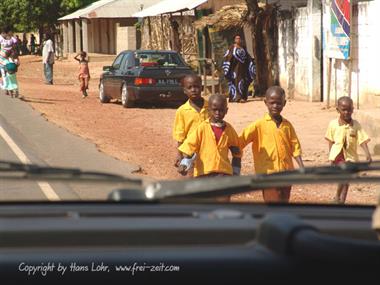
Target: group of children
9,62
205,139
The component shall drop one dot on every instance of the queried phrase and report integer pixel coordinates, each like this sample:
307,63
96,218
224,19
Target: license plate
167,81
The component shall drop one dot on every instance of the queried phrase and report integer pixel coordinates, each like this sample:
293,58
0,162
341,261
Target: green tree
25,15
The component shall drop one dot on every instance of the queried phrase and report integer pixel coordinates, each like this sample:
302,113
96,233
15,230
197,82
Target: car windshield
247,101
158,59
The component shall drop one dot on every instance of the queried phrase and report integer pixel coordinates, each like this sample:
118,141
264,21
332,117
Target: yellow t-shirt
345,137
211,156
273,148
187,119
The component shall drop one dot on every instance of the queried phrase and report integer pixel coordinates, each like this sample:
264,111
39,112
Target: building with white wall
105,26
360,81
304,62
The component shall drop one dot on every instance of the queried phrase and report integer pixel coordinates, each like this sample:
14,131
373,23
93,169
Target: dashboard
169,243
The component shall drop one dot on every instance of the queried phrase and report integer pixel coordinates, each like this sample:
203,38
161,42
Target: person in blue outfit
239,70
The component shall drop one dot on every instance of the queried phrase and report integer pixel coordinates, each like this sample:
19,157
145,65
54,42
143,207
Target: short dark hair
197,77
7,29
345,99
275,88
217,97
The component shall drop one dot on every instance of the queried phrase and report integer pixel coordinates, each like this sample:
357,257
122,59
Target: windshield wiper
16,171
229,185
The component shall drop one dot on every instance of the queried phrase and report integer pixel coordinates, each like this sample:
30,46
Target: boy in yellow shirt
274,143
211,141
343,135
191,114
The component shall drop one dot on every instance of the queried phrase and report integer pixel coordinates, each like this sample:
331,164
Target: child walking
274,143
84,72
191,114
344,135
212,141
10,80
7,51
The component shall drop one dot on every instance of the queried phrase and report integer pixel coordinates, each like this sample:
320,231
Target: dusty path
143,135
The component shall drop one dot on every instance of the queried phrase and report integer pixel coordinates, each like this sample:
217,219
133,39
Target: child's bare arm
236,158
330,146
179,155
236,165
76,57
299,161
366,151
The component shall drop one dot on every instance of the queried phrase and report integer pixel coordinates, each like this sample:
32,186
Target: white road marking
45,187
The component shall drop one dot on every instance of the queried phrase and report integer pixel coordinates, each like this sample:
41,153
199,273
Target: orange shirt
212,156
272,147
187,119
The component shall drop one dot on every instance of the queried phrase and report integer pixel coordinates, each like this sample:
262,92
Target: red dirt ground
143,135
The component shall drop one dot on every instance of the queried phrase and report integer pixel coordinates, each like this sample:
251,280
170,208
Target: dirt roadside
143,135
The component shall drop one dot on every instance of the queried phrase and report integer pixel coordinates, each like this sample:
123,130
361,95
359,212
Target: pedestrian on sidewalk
239,70
24,45
48,59
7,50
211,142
10,79
274,143
84,72
344,134
18,45
32,44
191,114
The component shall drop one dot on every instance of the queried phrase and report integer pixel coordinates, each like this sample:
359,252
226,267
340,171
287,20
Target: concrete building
304,62
307,72
105,26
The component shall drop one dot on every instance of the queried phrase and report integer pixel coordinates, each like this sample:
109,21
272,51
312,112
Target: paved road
27,137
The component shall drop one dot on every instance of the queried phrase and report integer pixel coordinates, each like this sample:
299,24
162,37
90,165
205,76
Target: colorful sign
338,36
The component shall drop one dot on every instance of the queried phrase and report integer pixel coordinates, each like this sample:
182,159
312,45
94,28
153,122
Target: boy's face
345,110
218,110
192,87
275,102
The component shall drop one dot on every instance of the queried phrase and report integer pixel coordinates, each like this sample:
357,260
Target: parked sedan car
145,76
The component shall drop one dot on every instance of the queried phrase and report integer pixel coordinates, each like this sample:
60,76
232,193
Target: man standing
48,59
32,44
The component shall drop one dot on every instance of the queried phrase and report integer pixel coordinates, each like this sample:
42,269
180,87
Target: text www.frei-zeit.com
61,268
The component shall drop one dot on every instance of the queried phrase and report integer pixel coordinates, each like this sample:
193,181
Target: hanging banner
338,34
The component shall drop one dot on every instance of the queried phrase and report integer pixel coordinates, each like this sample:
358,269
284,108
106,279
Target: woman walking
239,70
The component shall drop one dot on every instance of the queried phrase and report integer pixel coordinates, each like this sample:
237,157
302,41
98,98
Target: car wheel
125,98
102,96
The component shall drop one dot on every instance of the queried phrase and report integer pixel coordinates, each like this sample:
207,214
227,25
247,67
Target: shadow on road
150,106
41,100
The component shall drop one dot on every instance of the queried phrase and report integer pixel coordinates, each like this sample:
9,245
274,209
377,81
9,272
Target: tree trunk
264,28
175,43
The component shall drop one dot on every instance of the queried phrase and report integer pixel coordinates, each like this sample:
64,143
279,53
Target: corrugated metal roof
111,9
288,4
169,6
